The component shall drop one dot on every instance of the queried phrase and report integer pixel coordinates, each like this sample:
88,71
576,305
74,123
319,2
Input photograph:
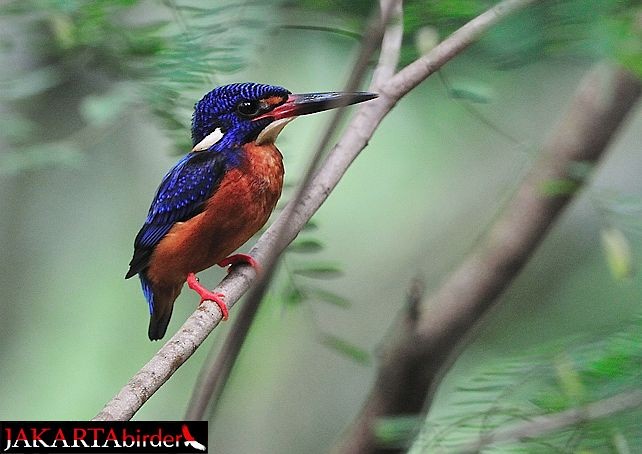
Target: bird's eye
248,108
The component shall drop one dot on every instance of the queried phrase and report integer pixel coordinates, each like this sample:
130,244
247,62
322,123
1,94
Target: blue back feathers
180,196
147,291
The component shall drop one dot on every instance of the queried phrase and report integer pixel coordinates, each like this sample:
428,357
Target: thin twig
416,72
390,43
291,220
545,424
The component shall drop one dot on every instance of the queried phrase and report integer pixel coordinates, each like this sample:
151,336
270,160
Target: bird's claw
207,295
238,259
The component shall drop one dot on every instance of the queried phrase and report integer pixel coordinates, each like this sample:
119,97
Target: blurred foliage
165,56
547,381
619,210
169,53
621,217
617,251
39,156
593,28
301,286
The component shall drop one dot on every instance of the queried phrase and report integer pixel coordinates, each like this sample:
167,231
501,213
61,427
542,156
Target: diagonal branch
411,367
294,217
214,376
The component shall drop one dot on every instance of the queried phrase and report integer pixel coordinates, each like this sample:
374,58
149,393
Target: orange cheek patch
275,100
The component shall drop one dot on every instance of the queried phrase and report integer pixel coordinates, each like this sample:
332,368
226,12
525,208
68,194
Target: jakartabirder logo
130,437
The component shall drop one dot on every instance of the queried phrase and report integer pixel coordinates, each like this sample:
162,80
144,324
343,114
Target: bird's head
235,114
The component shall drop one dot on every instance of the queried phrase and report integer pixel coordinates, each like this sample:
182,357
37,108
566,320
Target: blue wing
180,196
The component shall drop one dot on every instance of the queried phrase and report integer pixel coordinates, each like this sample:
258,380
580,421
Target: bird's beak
309,103
304,104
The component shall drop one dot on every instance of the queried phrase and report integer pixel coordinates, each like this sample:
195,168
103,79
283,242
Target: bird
217,196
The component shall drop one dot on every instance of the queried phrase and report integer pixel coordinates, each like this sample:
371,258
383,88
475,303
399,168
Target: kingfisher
219,194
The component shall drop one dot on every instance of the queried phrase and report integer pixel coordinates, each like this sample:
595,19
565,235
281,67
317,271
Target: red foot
240,258
207,295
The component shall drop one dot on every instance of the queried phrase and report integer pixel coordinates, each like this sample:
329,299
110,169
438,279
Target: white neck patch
209,140
271,131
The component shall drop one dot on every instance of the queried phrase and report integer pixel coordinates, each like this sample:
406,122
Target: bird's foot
207,295
240,258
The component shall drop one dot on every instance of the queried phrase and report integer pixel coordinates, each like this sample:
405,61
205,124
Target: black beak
309,103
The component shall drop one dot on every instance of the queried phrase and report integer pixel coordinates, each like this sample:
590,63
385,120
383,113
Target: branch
292,219
411,366
390,43
214,375
542,425
416,72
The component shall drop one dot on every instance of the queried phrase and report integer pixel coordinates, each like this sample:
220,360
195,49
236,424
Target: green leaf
552,401
319,271
306,246
611,366
569,378
293,296
470,91
310,226
618,253
397,430
346,349
327,297
62,29
552,188
426,38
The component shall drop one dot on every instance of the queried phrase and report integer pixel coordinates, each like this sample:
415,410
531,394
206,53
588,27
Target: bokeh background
95,108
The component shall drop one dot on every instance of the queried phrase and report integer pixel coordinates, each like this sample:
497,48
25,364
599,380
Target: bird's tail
161,302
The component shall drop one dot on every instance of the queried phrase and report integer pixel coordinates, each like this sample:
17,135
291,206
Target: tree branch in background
294,217
390,44
545,424
412,366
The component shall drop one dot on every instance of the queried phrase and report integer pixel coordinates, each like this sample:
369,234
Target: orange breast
240,206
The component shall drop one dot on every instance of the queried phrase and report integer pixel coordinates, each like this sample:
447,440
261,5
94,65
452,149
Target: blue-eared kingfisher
221,193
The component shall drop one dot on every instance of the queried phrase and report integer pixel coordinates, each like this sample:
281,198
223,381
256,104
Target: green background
419,197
